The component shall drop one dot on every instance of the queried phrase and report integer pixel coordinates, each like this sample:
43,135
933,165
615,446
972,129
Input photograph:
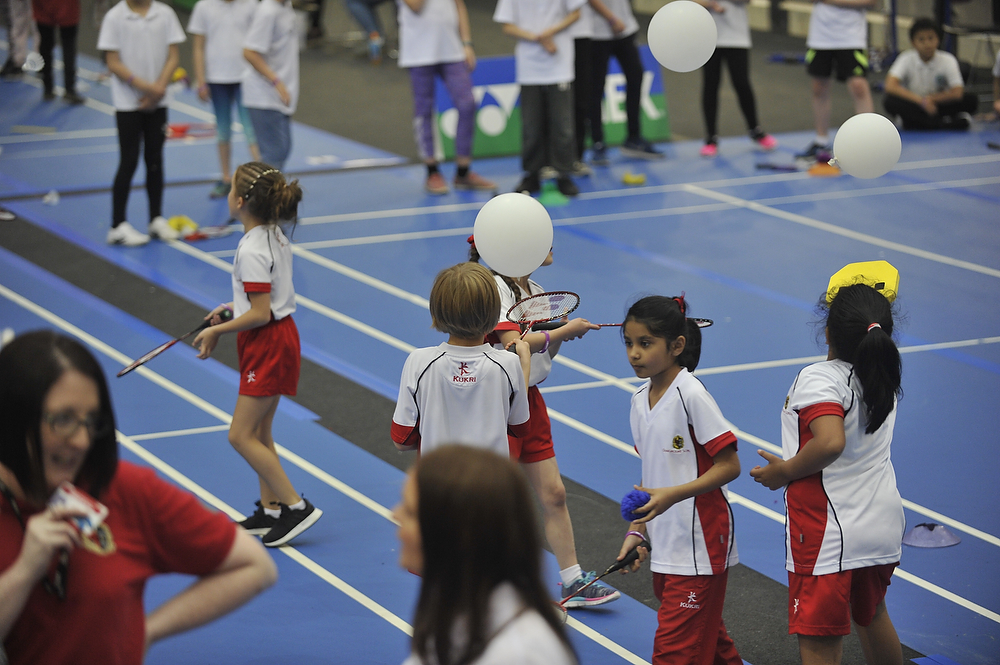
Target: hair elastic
471,240
874,325
254,183
680,301
547,340
635,533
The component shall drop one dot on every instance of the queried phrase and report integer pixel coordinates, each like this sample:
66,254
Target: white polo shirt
676,440
224,23
460,394
623,10
534,65
274,35
850,514
431,36
263,264
143,43
938,74
732,25
583,27
837,28
541,363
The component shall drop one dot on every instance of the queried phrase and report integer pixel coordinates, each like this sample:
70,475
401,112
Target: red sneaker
476,182
436,185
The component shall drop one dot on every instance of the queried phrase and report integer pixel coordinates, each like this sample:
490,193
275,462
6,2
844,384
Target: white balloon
682,36
513,234
867,146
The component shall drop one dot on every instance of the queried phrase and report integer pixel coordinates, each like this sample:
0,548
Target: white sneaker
125,234
160,229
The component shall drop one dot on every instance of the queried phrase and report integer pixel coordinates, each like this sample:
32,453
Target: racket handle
548,325
630,558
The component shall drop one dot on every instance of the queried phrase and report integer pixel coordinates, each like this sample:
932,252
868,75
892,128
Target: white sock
822,140
273,512
298,506
570,575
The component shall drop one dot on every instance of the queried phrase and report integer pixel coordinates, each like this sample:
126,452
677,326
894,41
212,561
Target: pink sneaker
767,142
436,185
709,150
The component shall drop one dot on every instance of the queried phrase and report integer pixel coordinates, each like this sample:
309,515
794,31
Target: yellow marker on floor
634,178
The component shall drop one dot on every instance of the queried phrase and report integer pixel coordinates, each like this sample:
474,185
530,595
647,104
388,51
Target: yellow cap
880,275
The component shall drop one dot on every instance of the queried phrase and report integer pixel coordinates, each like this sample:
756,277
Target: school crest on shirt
463,376
101,541
788,398
678,442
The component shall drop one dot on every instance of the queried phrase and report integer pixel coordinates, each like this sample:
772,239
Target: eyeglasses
65,424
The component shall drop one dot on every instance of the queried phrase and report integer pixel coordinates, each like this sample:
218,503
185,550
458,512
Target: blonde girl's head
266,194
465,301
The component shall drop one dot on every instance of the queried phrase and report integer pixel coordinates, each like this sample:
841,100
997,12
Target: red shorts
822,605
689,627
269,359
536,445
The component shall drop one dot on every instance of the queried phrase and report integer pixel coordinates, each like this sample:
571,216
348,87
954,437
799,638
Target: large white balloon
867,146
513,234
682,36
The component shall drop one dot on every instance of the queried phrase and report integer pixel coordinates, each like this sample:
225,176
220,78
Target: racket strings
543,307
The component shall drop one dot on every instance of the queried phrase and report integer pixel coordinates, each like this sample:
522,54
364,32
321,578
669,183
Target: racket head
702,323
542,307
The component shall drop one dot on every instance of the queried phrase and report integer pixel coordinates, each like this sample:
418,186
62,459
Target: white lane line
179,432
602,377
299,461
881,191
847,233
292,553
58,136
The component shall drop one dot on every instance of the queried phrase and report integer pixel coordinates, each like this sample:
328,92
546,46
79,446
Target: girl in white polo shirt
271,88
267,340
140,38
688,455
218,27
844,516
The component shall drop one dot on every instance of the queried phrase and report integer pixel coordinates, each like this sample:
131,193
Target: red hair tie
874,325
471,240
680,302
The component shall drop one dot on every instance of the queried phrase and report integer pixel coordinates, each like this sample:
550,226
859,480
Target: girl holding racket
268,343
836,431
688,455
537,454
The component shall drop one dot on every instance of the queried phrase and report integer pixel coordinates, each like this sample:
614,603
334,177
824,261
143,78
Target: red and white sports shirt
460,394
676,440
849,515
263,264
541,363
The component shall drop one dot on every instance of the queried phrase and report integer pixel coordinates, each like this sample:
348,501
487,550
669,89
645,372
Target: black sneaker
10,70
816,152
640,149
259,523
291,524
599,155
529,185
566,186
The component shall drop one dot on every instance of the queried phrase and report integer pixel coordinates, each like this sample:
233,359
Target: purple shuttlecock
631,501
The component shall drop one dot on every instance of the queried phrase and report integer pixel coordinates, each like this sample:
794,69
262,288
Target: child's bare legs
826,650
544,477
250,435
861,93
879,640
254,152
821,104
225,154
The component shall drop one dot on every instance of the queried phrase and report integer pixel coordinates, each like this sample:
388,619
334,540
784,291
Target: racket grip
548,325
630,558
225,315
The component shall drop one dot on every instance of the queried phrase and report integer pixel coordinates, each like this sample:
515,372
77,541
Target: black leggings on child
134,128
625,52
47,42
738,60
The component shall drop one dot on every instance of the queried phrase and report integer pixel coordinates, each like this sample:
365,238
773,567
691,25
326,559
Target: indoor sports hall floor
753,249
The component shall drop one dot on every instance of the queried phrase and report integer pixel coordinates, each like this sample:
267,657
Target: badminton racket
552,325
629,559
225,315
540,311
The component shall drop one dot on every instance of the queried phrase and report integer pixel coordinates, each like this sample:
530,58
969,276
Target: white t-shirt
849,515
676,440
460,394
520,636
623,10
263,264
142,43
430,37
732,25
938,74
583,27
224,23
535,65
541,363
837,28
274,35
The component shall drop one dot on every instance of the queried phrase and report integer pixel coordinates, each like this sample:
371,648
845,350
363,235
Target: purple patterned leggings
458,81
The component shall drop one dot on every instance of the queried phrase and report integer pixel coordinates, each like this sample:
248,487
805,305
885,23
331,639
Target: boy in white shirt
924,86
838,39
544,61
140,38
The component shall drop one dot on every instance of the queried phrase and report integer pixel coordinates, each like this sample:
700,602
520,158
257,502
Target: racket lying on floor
225,315
631,557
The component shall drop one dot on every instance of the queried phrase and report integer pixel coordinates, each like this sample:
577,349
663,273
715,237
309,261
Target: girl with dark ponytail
844,524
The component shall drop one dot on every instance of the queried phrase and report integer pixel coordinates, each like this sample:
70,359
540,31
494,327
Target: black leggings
627,55
738,61
134,128
46,42
587,111
916,116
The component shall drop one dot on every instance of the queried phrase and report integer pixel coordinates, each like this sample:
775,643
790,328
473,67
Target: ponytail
267,194
859,323
667,318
